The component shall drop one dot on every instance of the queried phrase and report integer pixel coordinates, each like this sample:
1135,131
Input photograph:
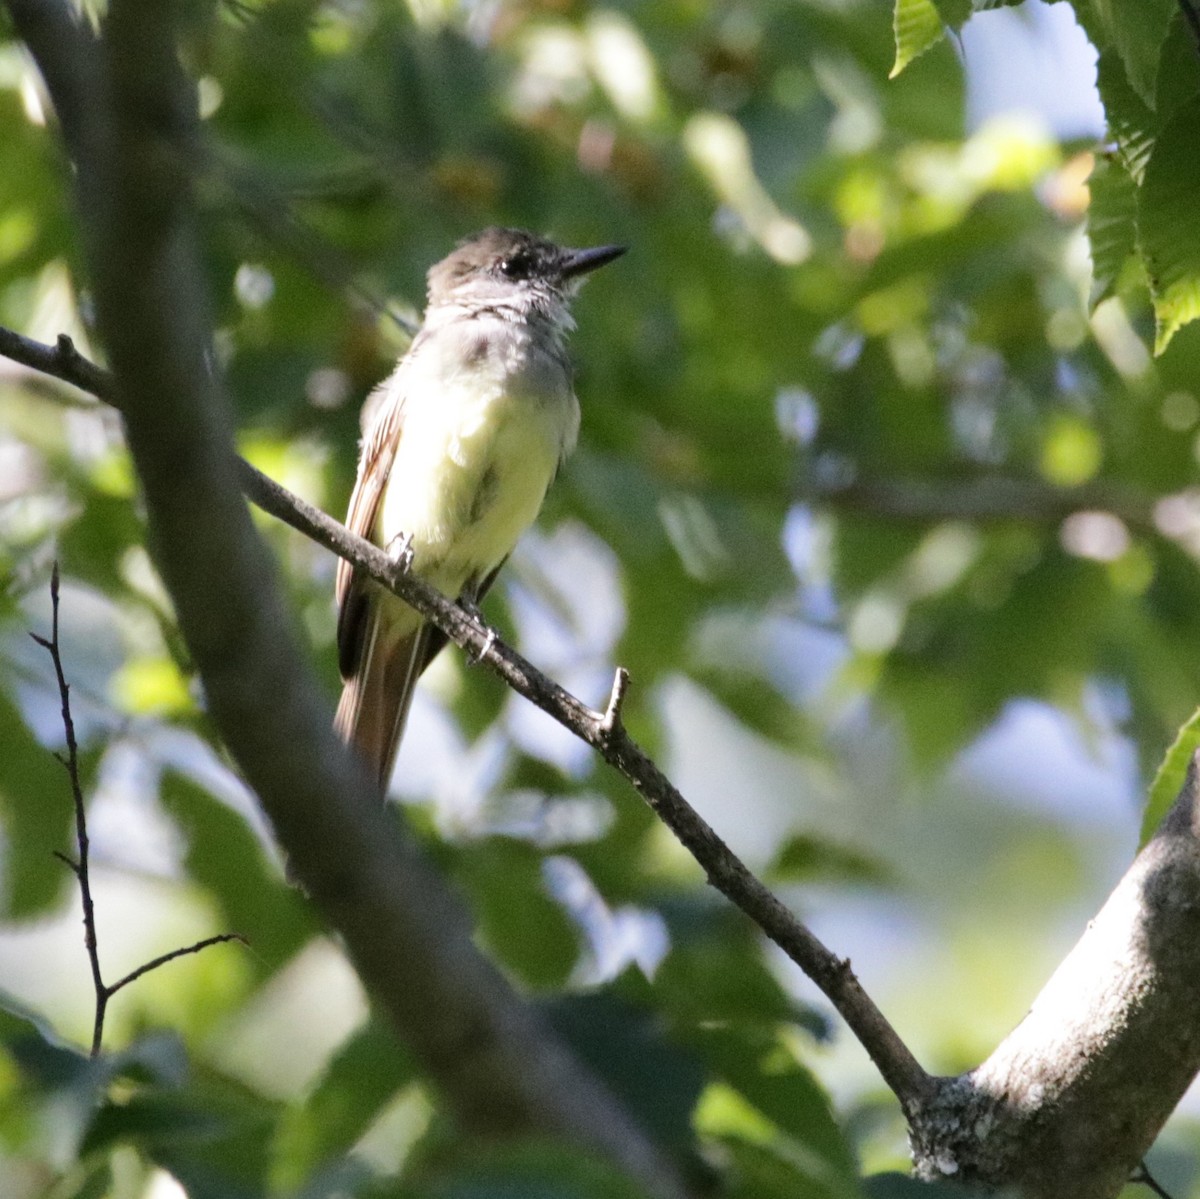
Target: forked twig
80,866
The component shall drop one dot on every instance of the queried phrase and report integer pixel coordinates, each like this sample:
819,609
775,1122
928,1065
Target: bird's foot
468,603
477,656
400,549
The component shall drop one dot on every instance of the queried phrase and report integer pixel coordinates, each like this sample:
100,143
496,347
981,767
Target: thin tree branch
607,735
163,959
1142,1174
81,867
67,55
62,361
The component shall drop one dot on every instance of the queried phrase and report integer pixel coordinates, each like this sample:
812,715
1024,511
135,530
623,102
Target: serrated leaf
1131,121
1137,32
1168,779
918,27
1169,224
1111,225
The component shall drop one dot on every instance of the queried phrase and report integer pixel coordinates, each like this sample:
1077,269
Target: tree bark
1069,1103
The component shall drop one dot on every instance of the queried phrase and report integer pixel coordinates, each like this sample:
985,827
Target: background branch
985,497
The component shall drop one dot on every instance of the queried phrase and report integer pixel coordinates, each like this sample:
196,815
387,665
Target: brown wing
375,461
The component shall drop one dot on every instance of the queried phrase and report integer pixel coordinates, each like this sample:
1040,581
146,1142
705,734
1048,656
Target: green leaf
36,808
804,858
917,26
224,855
1132,122
1137,32
716,973
657,1080
776,1170
765,1071
360,1079
154,1118
954,13
159,1058
1169,224
1111,225
519,921
1168,779
529,1170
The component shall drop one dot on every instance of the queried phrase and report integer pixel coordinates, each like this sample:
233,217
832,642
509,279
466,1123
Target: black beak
581,262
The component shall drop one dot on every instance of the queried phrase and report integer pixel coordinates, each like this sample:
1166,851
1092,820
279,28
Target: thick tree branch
409,936
1071,1100
602,730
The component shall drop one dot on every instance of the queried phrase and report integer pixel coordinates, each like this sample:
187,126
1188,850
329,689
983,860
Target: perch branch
607,735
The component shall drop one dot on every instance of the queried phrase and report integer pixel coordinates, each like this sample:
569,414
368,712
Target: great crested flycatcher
459,447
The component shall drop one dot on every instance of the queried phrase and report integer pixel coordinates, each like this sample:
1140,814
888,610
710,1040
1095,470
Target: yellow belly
470,473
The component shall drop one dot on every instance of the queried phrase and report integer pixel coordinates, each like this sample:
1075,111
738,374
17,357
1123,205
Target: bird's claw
400,549
490,640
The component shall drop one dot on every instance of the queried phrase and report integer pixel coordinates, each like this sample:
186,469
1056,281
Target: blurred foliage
843,322
1142,213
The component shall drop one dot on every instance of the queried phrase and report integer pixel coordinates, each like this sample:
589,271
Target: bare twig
1142,1174
164,958
81,867
605,733
610,720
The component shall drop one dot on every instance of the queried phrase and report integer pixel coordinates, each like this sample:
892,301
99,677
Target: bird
459,447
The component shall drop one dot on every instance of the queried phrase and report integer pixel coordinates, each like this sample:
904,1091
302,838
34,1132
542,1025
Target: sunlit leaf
1168,780
918,26
1166,225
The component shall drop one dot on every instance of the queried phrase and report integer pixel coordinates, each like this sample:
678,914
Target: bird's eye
515,266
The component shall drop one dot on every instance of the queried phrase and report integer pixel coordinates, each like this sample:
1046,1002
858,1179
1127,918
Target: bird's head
510,268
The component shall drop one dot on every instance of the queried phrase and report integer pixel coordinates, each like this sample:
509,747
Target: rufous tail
375,700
